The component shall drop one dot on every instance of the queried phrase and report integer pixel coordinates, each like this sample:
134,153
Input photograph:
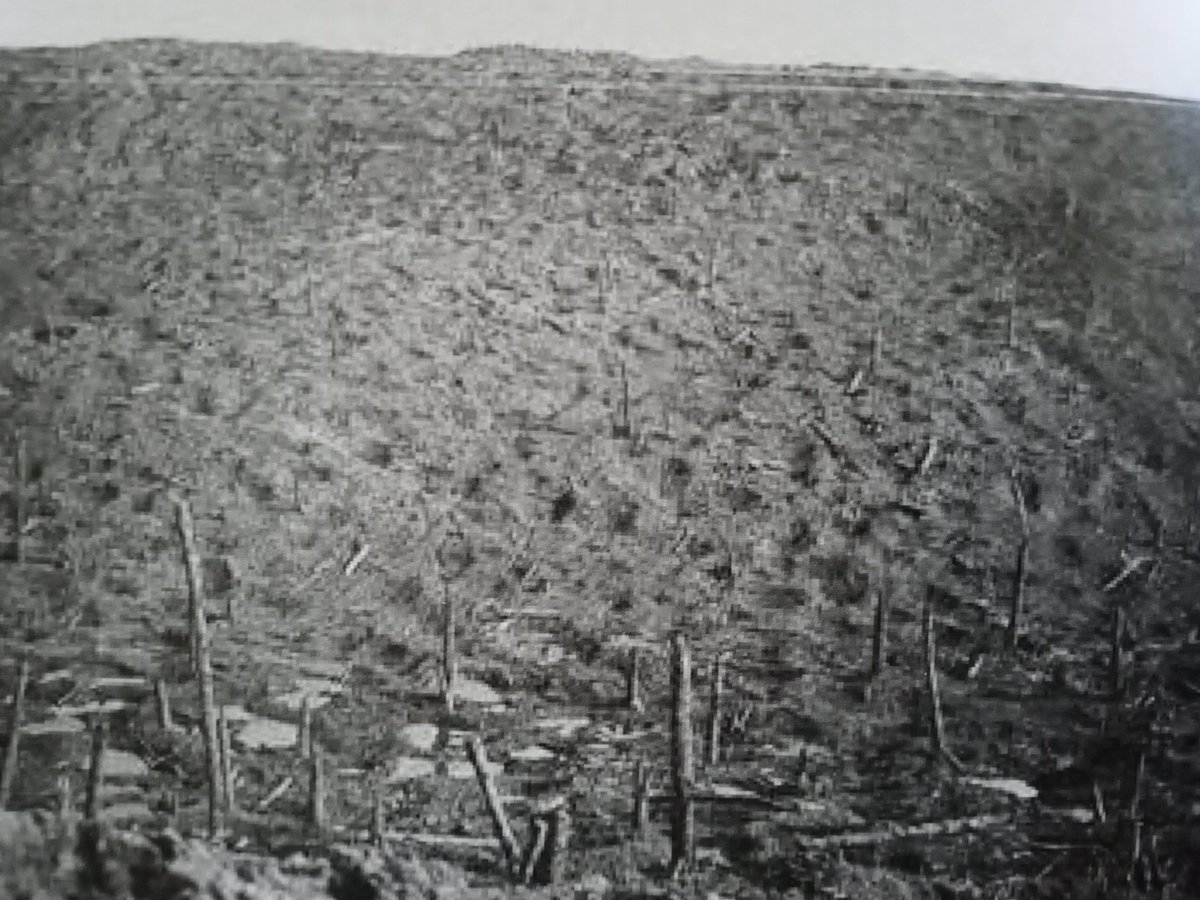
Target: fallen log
896,831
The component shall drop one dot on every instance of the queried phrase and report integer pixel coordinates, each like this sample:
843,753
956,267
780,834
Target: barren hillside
608,351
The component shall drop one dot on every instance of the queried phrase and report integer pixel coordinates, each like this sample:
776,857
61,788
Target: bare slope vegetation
351,298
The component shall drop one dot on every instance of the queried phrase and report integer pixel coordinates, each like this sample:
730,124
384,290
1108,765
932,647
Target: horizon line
695,58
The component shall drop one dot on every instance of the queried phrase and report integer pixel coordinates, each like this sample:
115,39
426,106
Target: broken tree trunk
227,795
13,746
716,696
633,689
316,793
542,863
20,472
641,800
203,663
683,820
491,797
937,725
91,799
1017,600
1116,678
304,741
162,705
897,832
879,634
378,819
449,658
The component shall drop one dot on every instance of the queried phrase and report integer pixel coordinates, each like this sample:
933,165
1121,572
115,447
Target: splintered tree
1017,599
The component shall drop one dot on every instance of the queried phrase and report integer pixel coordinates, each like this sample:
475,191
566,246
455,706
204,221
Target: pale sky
1146,45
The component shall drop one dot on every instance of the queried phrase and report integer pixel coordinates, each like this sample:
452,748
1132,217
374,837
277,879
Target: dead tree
20,476
1017,601
683,820
226,761
491,797
449,653
633,687
542,862
316,792
641,800
13,745
162,704
304,741
875,361
937,725
1116,677
879,634
715,702
91,802
204,676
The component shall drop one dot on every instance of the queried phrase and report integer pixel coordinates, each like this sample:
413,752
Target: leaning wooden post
12,748
91,800
683,820
937,725
316,792
1017,602
227,796
715,698
20,471
162,704
491,797
641,800
304,741
449,653
879,634
633,686
212,753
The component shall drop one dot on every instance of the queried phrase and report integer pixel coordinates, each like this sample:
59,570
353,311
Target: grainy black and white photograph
599,450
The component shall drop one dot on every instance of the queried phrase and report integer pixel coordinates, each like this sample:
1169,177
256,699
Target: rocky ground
605,352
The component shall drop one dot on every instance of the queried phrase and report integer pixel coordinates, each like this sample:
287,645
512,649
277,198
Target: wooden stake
204,679
879,635
491,797
683,822
449,653
641,800
162,704
633,688
304,741
937,726
715,697
1012,321
227,796
12,748
316,792
876,360
20,512
91,803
